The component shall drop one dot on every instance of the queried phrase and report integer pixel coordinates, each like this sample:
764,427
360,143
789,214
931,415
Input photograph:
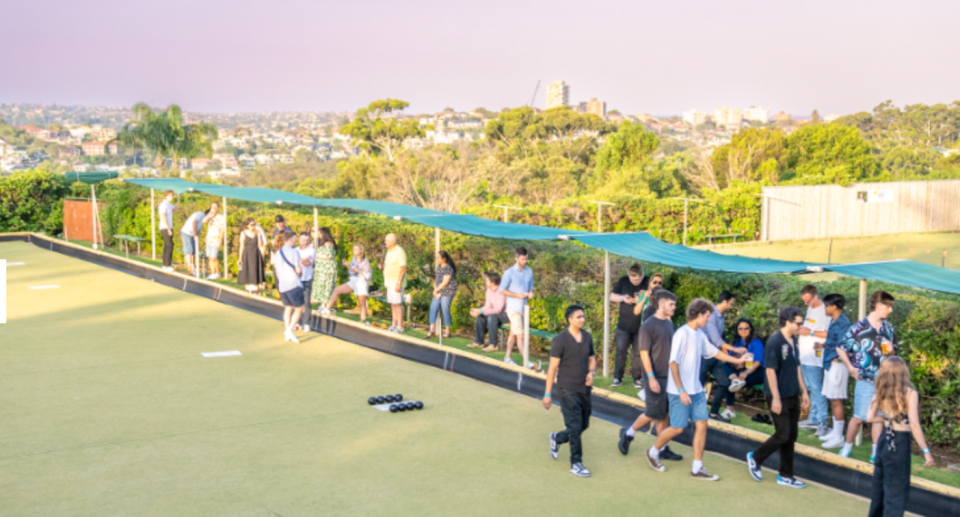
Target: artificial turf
109,409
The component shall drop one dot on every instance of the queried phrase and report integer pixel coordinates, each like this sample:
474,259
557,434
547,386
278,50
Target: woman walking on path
251,258
359,283
895,405
445,287
325,267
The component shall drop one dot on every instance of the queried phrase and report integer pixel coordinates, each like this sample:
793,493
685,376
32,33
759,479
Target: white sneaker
736,385
726,413
324,311
846,450
807,424
167,269
213,277
834,441
290,337
306,328
509,361
391,329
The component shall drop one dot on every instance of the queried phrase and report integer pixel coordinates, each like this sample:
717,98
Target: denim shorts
188,248
681,415
293,297
862,396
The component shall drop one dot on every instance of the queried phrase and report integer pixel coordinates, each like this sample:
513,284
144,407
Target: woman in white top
359,282
286,263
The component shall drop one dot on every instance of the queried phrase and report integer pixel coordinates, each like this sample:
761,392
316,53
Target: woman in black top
445,287
251,259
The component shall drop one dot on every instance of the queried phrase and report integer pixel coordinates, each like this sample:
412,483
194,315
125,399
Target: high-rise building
558,94
598,108
757,115
694,117
728,117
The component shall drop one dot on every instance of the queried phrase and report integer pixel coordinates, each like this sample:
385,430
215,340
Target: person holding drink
813,332
751,374
865,346
835,375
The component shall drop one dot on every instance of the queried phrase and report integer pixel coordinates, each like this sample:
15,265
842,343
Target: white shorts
359,285
516,322
394,297
835,381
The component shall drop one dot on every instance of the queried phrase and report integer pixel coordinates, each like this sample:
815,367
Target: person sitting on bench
491,316
741,376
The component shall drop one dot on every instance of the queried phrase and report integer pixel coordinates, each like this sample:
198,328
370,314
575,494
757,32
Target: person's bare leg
666,435
641,422
854,428
341,289
510,340
875,431
397,315
294,317
189,261
362,302
215,266
286,318
837,410
699,440
662,425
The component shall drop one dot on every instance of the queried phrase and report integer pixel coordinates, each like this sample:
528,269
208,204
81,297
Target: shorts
213,250
516,322
293,297
359,285
681,416
394,297
835,381
862,397
657,403
188,248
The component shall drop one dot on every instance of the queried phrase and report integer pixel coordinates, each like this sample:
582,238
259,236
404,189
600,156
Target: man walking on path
865,346
572,363
786,394
835,374
165,213
688,403
517,286
656,333
631,294
815,325
714,331
394,269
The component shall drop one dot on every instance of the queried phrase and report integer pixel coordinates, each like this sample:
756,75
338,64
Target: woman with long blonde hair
896,406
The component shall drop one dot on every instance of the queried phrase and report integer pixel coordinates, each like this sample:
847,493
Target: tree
165,133
815,117
631,146
613,112
752,155
829,153
377,136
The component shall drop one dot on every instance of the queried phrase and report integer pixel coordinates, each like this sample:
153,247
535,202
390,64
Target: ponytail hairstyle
449,260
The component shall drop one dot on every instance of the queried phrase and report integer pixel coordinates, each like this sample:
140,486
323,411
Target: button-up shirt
863,344
518,282
494,302
714,328
838,329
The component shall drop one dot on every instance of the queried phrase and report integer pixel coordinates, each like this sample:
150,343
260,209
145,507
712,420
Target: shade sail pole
685,202
863,299
436,261
606,313
153,225
526,335
93,214
315,226
226,242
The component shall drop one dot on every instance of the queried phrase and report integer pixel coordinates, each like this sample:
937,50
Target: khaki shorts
835,381
394,297
516,322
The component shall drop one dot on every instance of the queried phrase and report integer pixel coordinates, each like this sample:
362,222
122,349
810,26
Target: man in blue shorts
687,401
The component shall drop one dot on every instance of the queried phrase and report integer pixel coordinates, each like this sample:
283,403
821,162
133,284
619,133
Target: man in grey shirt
714,331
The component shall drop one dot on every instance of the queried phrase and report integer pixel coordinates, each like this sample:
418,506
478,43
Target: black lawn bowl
394,408
419,405
372,401
398,397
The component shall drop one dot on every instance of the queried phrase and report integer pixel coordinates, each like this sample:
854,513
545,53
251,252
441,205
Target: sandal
446,335
430,335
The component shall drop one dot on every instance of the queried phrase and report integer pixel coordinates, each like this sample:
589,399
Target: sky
640,56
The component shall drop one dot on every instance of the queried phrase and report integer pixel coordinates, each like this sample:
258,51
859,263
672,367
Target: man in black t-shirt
786,394
631,294
655,339
572,364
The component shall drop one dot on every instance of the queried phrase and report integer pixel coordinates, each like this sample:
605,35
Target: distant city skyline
638,57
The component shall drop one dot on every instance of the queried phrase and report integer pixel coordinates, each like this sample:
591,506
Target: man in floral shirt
866,345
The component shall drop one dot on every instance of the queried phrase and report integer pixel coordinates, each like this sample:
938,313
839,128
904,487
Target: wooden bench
126,239
543,334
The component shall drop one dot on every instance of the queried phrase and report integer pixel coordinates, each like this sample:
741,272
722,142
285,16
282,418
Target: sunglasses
656,283
743,328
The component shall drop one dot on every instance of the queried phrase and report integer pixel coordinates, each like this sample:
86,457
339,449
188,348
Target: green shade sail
905,272
91,177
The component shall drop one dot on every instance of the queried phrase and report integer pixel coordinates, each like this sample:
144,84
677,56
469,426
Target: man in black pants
165,213
656,336
631,294
786,394
572,363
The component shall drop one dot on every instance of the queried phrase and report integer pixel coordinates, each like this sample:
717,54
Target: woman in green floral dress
325,267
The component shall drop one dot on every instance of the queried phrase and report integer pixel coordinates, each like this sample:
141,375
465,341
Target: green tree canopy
829,153
377,136
165,133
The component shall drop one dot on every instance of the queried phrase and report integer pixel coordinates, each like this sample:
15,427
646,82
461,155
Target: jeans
441,303
813,378
754,379
576,409
627,341
167,247
307,308
891,475
784,436
716,367
489,325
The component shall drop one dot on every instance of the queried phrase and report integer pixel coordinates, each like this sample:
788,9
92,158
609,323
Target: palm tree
165,133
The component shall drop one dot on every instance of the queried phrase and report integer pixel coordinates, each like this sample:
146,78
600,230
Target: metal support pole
526,335
599,218
863,299
93,214
153,226
315,226
226,242
436,258
685,203
196,257
606,313
505,215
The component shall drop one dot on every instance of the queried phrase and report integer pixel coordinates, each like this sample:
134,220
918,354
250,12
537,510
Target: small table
126,239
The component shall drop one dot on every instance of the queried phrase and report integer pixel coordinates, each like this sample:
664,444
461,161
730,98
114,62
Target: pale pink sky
638,55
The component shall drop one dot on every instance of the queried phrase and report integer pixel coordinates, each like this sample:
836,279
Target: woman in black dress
251,259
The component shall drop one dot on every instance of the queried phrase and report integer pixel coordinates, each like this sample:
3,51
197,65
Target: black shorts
657,403
293,297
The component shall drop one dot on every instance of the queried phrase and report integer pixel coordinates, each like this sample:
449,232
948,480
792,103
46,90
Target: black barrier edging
922,501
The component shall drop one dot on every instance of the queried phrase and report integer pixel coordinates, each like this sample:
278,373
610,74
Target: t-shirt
395,259
628,321
517,282
451,288
817,319
309,253
649,311
284,262
783,357
755,348
687,349
165,213
574,359
194,224
655,338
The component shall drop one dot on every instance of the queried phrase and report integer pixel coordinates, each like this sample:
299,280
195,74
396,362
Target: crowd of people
806,364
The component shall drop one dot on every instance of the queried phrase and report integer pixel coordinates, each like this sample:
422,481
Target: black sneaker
667,454
637,383
577,469
554,446
616,383
625,440
719,418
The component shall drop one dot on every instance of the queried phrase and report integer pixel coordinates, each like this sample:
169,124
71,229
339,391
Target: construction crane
534,98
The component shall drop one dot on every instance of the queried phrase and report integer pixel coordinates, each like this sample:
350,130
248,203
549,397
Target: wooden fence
823,211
